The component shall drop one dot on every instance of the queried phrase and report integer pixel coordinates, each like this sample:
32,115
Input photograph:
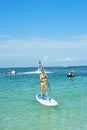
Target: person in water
43,79
71,74
40,66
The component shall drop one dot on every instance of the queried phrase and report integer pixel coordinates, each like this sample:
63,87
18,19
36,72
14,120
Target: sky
53,31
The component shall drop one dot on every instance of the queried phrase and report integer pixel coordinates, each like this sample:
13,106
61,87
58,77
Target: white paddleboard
46,101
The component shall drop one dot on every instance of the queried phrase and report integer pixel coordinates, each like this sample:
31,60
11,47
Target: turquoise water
19,109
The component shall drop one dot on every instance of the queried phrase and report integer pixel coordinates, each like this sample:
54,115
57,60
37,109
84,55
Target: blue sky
53,31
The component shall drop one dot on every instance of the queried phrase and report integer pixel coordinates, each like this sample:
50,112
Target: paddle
48,86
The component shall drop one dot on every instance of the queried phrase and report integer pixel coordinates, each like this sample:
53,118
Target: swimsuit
43,83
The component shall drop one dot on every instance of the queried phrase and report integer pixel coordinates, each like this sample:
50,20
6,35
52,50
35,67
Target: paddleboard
46,101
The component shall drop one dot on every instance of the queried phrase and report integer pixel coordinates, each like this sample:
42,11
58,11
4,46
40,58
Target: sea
19,109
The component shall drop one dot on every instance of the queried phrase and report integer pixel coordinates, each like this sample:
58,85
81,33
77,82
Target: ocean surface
19,109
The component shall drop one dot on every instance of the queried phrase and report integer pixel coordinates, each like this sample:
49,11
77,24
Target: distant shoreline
45,67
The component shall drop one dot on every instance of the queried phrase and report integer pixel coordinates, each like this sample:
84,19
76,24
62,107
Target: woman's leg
41,89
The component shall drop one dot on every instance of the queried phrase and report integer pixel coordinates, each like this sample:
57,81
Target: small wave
34,72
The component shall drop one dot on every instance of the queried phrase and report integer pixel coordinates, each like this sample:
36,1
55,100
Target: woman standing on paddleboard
43,79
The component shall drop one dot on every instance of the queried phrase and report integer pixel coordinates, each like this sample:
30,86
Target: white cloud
46,49
4,36
10,55
41,43
45,58
70,59
81,37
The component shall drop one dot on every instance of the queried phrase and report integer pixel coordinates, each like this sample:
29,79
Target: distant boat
71,74
12,72
40,66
